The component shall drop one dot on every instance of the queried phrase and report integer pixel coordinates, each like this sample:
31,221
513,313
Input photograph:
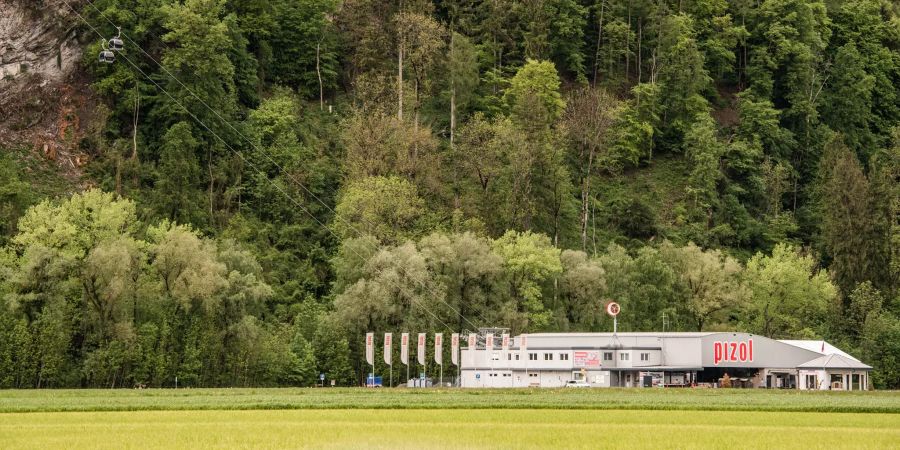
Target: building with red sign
705,359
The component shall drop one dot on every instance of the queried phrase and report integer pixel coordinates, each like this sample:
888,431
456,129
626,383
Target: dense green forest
270,179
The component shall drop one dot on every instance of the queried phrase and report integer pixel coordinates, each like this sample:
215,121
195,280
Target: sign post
612,308
439,354
404,352
454,351
472,346
389,356
421,351
370,353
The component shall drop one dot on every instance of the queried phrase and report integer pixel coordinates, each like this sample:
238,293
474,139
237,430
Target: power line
243,159
272,160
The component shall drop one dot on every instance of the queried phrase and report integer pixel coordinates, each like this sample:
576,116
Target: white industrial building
660,359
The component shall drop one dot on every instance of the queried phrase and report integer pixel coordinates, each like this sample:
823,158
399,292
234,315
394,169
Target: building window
623,356
607,356
811,382
532,375
532,356
495,356
509,357
645,357
548,356
563,356
517,356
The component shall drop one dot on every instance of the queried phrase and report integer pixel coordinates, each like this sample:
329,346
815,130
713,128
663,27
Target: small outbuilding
835,372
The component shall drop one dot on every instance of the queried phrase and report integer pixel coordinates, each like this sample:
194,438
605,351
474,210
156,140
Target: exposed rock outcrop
43,93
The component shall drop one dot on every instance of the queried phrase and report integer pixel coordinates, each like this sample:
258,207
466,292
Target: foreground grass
448,429
359,398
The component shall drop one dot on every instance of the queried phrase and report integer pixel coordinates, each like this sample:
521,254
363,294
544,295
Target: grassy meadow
360,398
448,418
437,428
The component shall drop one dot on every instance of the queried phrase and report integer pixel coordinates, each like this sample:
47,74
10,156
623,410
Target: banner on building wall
586,359
454,349
473,341
439,348
370,348
404,348
504,342
489,342
523,343
388,348
421,349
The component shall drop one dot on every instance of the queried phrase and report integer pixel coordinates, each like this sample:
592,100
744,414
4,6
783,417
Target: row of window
607,356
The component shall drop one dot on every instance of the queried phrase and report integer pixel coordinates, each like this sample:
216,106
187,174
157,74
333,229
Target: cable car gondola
107,57
116,44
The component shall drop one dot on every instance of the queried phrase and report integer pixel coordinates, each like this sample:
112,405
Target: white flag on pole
454,349
370,348
439,348
388,348
504,341
473,341
404,348
523,343
421,349
489,341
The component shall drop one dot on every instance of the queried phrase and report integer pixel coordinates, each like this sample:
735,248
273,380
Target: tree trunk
134,126
400,82
628,45
639,43
319,74
599,39
452,115
594,227
452,101
118,174
585,199
211,184
415,155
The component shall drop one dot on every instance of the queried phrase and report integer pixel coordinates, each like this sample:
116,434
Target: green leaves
389,209
530,260
533,95
789,294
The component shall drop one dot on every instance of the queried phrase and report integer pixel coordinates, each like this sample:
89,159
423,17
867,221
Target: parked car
577,384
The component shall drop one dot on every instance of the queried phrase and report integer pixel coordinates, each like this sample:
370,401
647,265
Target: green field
345,398
448,418
449,429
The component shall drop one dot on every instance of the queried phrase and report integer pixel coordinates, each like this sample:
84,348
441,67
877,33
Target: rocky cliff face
43,93
37,37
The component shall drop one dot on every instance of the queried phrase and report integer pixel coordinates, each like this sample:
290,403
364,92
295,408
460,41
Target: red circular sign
613,308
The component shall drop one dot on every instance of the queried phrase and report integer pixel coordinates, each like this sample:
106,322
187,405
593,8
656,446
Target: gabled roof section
819,346
834,361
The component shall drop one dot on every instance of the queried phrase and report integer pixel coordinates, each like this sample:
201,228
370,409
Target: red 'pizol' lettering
732,351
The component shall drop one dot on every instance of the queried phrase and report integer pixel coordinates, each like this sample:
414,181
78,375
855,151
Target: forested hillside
270,179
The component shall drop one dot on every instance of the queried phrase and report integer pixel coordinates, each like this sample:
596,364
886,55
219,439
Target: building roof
834,361
818,346
639,334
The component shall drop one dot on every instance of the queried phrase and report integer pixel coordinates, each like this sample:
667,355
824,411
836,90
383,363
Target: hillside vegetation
270,179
